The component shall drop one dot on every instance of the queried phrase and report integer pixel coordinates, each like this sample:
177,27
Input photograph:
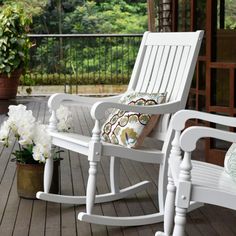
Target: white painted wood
138,63
91,187
99,108
175,155
160,234
174,38
114,174
106,197
48,172
180,221
153,78
169,207
165,63
124,221
144,68
181,117
174,74
52,126
150,68
197,181
162,68
168,68
181,77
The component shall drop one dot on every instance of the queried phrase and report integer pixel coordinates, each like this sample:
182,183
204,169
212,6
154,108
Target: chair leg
180,221
48,172
169,208
91,187
162,191
114,174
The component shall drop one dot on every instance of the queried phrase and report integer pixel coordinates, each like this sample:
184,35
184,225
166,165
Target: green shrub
14,44
80,79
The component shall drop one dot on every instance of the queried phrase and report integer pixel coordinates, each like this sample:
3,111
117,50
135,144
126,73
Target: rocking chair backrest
166,63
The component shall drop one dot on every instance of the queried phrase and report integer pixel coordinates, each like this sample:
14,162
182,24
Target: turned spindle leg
180,221
91,187
48,172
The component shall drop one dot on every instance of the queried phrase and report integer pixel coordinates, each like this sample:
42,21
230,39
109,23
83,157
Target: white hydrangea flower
64,117
38,153
42,143
5,133
21,122
15,110
29,133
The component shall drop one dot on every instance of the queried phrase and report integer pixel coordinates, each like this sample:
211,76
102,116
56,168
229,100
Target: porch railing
81,59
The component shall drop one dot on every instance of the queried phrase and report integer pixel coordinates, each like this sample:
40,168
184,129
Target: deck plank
37,225
9,216
53,219
23,219
38,218
68,226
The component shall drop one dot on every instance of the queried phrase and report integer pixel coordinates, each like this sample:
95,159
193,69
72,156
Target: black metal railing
81,59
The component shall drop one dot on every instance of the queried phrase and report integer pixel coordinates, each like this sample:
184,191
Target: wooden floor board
53,219
68,226
10,213
37,225
23,219
38,218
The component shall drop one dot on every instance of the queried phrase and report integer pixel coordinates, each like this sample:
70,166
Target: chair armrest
99,108
56,99
180,118
191,135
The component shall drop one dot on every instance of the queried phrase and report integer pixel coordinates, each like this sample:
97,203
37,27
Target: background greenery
85,16
55,61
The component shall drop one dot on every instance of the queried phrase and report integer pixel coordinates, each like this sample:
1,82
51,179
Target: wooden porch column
151,15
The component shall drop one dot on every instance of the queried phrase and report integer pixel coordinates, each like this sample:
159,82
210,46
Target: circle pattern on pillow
129,128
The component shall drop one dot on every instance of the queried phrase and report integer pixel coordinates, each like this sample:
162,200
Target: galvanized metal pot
30,179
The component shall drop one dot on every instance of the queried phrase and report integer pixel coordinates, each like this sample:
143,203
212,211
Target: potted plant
34,147
14,47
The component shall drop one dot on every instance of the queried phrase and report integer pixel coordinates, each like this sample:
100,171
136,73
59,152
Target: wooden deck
22,217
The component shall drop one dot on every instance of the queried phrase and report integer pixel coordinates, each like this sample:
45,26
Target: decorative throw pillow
130,128
230,161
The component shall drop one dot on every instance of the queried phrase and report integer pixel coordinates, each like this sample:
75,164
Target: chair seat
214,181
78,142
215,175
72,141
151,154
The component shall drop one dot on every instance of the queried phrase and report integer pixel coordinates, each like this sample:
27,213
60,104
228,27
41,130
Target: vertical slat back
146,60
175,82
166,63
149,70
169,66
180,78
155,70
160,73
174,72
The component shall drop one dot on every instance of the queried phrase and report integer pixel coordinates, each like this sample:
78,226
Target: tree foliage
79,16
31,7
230,14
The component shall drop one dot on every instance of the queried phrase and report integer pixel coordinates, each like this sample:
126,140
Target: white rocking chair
165,63
195,180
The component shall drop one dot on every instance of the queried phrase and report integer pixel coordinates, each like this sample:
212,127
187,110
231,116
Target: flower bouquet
34,144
